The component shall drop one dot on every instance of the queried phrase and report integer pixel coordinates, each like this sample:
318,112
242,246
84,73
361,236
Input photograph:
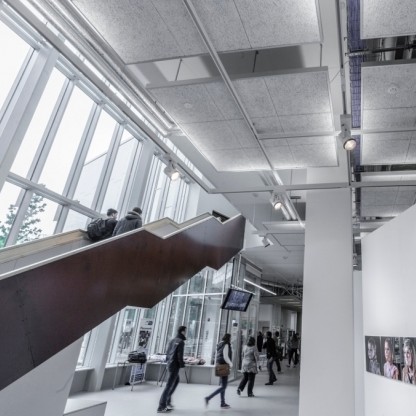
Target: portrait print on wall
390,347
408,361
373,354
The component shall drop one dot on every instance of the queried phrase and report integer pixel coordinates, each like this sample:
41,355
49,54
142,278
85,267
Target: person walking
224,356
276,338
131,221
174,362
293,350
271,355
249,367
259,341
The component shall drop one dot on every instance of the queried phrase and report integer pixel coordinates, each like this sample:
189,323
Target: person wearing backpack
130,222
102,228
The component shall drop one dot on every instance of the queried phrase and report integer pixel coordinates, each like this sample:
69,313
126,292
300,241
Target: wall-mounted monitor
237,300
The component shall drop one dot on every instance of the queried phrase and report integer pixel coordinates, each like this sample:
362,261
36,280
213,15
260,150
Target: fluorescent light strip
260,287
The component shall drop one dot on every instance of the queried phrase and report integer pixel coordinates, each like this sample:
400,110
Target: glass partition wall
197,305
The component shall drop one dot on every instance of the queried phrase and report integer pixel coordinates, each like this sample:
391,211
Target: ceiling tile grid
265,125
385,18
137,31
307,123
300,93
255,97
223,24
189,103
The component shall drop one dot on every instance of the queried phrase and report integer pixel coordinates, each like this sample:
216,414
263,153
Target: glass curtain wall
76,155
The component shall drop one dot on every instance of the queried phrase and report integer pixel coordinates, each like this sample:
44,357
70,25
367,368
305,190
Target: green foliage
29,230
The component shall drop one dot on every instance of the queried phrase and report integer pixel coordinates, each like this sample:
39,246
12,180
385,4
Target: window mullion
106,173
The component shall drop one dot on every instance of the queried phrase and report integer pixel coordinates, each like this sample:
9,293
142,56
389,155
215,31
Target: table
125,364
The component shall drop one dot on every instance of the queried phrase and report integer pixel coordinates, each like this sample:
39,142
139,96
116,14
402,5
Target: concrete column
327,367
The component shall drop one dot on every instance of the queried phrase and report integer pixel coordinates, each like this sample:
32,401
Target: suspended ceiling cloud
291,104
388,96
150,30
385,18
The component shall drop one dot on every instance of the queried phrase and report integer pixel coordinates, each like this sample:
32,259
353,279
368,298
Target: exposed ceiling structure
255,93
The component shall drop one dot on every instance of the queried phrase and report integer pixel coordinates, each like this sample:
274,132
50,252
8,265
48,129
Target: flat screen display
237,300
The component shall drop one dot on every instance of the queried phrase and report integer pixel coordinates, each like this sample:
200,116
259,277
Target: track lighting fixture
348,142
171,171
265,242
276,202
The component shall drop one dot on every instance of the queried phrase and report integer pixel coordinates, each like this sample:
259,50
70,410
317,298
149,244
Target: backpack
137,357
97,229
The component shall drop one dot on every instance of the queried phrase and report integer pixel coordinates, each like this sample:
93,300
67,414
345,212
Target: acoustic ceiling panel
237,159
255,96
386,18
307,123
144,30
389,119
223,24
388,96
150,30
300,102
233,134
300,93
301,152
279,22
386,201
388,148
196,103
389,86
268,125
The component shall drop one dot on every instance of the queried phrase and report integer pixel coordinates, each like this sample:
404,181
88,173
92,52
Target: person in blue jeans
174,362
224,356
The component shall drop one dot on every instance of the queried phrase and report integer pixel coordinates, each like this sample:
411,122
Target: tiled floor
280,399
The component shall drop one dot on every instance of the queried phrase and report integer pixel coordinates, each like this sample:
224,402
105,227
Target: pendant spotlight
348,142
276,202
171,171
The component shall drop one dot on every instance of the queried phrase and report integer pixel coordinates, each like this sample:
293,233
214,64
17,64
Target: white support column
327,369
102,335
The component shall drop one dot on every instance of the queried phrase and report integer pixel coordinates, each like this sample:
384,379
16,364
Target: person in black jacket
130,222
259,341
174,362
110,222
271,352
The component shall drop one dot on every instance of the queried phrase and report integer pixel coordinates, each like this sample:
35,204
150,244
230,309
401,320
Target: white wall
389,287
209,202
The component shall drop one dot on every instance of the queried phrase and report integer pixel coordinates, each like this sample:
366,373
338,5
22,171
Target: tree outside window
29,229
